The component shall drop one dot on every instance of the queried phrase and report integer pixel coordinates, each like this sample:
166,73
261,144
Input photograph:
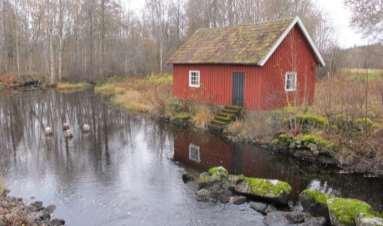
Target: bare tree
368,17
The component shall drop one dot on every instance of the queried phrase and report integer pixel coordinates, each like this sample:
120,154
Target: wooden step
225,119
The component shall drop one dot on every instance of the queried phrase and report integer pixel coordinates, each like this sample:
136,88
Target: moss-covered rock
315,202
273,190
368,220
344,212
218,171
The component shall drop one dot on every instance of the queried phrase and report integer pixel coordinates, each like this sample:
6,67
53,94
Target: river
128,169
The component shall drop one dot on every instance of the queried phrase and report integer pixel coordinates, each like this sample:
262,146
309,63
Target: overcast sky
338,15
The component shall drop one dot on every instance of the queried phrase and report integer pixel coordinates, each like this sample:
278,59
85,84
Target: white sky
335,10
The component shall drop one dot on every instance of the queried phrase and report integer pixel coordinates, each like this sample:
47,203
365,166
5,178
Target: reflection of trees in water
24,147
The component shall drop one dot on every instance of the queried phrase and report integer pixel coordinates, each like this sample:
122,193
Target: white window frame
294,88
194,153
198,74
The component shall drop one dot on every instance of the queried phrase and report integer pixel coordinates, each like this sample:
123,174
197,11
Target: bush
352,127
307,139
310,120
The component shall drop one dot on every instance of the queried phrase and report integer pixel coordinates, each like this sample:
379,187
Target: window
291,81
194,79
194,153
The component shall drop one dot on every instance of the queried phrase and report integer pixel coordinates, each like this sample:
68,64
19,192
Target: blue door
238,88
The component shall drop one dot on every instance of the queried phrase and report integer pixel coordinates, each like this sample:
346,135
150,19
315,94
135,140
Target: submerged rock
280,218
237,200
68,134
262,208
273,190
203,195
66,126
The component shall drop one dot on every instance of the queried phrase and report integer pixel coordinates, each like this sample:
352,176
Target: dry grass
203,115
2,185
141,94
71,87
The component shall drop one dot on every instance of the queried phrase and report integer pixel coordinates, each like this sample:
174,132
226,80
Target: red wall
264,86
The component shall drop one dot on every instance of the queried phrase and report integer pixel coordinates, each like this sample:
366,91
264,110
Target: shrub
310,120
202,116
307,139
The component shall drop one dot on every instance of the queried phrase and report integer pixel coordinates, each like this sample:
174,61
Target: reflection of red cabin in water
260,67
201,151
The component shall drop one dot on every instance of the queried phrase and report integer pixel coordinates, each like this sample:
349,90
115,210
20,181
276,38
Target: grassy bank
153,95
346,115
72,87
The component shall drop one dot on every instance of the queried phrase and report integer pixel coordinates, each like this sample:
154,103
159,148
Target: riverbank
271,198
13,211
335,131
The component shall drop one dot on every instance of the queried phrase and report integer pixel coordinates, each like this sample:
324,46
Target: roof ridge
250,24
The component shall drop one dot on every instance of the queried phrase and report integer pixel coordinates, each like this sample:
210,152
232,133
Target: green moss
283,140
218,171
307,139
316,196
182,116
364,123
308,120
268,188
345,211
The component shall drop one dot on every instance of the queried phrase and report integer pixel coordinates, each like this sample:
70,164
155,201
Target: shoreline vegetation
271,198
341,129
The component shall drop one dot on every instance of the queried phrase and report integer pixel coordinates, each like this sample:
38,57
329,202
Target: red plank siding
264,86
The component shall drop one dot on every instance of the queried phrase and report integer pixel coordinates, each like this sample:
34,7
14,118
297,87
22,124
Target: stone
344,212
57,222
315,221
273,190
281,218
50,209
296,217
187,178
238,200
203,195
365,220
259,207
315,203
277,218
85,128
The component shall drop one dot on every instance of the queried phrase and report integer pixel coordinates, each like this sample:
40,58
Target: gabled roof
245,44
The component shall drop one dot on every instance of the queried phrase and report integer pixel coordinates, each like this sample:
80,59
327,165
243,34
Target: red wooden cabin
261,67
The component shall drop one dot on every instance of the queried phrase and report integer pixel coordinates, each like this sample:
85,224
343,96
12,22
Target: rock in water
315,203
365,220
273,190
203,195
259,207
85,128
187,178
48,131
68,134
237,200
66,126
344,212
280,218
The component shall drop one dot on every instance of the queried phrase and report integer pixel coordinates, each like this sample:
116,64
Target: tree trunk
17,40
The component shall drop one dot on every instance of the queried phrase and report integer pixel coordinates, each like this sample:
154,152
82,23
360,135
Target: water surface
127,171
